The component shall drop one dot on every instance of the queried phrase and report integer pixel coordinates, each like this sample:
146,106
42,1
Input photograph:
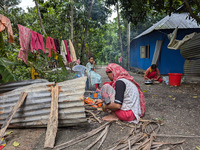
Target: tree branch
2,7
40,18
191,11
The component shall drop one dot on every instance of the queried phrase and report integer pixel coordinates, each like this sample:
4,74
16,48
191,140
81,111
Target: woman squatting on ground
122,96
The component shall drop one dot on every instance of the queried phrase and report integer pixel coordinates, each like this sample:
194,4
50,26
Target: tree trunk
72,20
120,36
128,45
40,18
86,30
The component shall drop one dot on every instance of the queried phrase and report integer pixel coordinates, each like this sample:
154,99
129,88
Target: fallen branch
126,124
121,141
177,136
152,121
142,145
103,138
81,138
98,138
99,121
168,143
151,141
156,147
134,139
12,113
129,145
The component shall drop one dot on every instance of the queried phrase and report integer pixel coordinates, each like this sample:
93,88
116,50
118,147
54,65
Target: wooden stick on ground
129,145
151,141
81,138
177,136
168,143
136,138
103,138
53,119
123,140
95,117
98,138
12,113
143,144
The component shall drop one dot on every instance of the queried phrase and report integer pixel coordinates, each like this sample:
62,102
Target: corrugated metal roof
14,85
191,48
181,21
192,70
36,108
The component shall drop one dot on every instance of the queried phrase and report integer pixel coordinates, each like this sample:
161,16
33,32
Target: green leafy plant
5,72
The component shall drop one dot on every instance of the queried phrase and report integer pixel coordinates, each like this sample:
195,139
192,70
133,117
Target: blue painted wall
170,61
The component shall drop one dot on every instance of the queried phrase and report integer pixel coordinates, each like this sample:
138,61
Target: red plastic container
175,79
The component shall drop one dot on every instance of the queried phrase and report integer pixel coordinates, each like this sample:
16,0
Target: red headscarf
118,73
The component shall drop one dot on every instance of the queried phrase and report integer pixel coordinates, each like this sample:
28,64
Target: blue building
143,46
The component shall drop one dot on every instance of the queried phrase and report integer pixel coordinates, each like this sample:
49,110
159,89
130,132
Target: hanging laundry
63,51
37,41
50,45
56,42
25,42
73,53
68,55
5,23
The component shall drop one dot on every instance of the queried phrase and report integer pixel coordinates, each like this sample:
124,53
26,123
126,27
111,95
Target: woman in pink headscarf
128,102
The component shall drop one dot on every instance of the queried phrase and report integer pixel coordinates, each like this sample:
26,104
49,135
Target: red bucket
175,79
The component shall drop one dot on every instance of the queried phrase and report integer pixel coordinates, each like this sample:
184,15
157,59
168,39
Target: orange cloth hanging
72,51
5,23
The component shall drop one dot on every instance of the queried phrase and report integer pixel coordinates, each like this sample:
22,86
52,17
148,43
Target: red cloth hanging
37,41
25,42
50,45
68,55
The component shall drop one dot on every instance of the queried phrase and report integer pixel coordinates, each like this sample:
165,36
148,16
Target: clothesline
31,40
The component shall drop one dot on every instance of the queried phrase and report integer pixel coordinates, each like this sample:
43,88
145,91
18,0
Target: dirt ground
178,107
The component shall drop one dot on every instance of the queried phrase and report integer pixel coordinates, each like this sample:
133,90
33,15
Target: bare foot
111,117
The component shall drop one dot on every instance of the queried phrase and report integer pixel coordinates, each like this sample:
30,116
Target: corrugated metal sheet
14,85
191,48
182,21
192,70
36,108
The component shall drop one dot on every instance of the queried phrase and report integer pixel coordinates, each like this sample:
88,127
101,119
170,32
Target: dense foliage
92,33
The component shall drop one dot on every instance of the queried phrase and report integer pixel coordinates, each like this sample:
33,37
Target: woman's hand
104,108
98,101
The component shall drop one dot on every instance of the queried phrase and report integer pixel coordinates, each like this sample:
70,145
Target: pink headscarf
118,73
